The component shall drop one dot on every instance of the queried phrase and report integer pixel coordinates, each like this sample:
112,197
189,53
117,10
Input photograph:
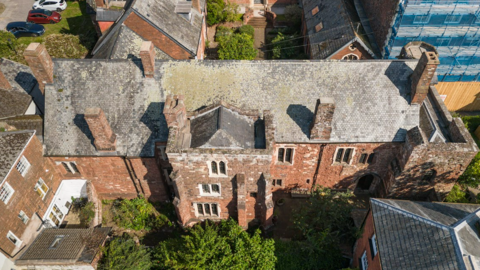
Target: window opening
22,216
223,169
6,193
370,158
363,158
281,154
41,188
214,167
23,165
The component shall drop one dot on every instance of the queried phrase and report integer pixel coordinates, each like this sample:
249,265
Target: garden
73,37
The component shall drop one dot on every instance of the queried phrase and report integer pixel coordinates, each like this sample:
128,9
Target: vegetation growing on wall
138,214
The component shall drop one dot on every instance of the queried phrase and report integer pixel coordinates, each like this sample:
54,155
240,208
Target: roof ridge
410,214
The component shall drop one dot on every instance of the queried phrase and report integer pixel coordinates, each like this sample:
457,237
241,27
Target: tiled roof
161,15
76,245
372,99
13,103
423,235
12,145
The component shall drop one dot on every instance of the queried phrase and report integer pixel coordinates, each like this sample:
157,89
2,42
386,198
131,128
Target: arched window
214,167
223,169
350,56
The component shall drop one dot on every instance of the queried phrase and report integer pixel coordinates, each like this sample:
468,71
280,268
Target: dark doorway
365,182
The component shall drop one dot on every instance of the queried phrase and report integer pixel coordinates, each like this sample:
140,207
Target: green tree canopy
215,12
223,245
236,47
471,176
125,254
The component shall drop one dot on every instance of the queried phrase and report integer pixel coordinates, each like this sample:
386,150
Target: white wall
64,194
5,263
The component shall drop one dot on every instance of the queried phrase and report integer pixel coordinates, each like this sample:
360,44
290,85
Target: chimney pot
104,138
40,63
321,127
422,76
147,54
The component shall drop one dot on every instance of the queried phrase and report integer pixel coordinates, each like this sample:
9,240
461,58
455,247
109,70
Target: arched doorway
371,184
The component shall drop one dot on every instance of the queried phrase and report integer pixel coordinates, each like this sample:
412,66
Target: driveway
16,10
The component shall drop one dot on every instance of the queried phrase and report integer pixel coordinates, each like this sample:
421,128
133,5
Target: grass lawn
73,37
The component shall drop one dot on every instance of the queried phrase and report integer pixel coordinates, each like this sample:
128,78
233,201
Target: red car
43,16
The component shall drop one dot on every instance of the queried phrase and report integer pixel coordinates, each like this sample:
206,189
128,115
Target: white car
54,5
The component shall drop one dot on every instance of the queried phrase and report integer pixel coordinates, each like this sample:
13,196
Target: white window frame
345,57
364,261
460,16
7,186
23,217
195,206
373,245
352,157
18,242
22,166
427,16
39,186
211,193
218,174
70,167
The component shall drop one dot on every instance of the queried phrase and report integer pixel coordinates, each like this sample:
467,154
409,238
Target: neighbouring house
224,135
28,182
21,100
419,235
76,249
177,29
332,29
451,26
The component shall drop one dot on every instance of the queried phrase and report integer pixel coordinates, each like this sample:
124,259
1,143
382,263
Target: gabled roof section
13,103
162,16
370,94
12,145
55,246
222,128
424,235
340,27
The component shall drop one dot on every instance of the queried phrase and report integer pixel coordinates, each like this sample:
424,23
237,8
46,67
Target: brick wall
148,32
359,51
203,36
24,188
363,244
381,14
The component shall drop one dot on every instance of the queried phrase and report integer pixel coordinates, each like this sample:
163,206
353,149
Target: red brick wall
191,172
363,244
25,198
359,51
111,178
148,32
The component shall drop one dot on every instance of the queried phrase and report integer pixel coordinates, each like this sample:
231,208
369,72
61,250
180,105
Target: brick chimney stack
175,111
40,63
321,126
147,54
105,139
196,5
422,76
4,84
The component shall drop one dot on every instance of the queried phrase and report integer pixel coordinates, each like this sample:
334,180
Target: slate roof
15,101
161,15
12,145
108,15
424,235
341,27
222,128
372,98
77,245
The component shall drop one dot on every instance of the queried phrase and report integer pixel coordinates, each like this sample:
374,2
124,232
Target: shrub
8,48
215,12
230,12
223,245
283,47
293,14
471,175
138,214
247,29
85,210
457,195
236,47
222,31
65,46
124,254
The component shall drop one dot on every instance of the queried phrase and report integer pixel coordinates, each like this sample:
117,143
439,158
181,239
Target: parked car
25,29
43,16
54,5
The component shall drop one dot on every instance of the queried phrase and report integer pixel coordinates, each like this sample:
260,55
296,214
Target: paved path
259,42
16,10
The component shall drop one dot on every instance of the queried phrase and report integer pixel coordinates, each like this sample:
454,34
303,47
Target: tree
471,176
223,245
125,254
236,47
457,195
324,222
8,44
283,47
215,12
248,29
293,14
230,12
